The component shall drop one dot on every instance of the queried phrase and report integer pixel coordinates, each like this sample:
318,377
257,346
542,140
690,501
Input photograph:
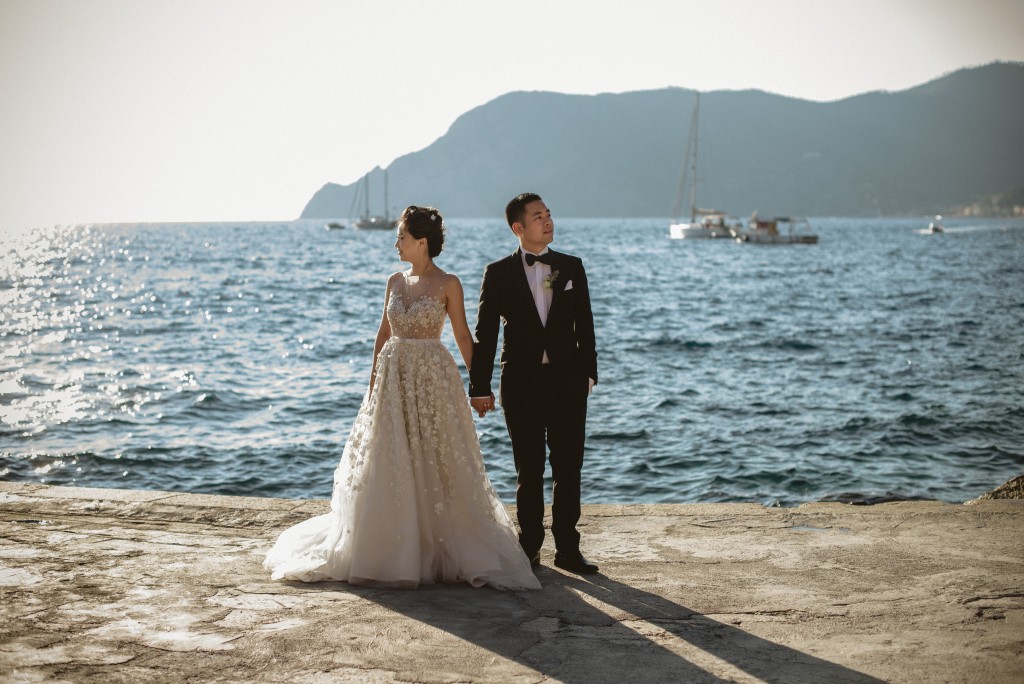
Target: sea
882,363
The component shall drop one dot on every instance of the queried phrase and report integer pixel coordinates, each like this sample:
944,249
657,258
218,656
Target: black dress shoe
575,563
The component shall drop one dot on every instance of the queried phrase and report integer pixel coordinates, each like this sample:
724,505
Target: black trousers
546,408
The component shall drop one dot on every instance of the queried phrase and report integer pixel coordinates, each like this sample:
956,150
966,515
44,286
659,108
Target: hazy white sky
207,110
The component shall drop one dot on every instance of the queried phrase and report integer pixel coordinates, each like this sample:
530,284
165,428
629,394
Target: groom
548,367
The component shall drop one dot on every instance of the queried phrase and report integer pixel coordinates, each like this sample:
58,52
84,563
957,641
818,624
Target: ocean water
231,358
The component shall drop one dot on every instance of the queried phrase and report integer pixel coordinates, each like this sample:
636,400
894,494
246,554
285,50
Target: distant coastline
1005,205
946,147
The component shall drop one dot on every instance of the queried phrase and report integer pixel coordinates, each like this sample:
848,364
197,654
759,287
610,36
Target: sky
228,110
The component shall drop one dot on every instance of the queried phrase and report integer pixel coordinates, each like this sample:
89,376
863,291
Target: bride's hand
482,405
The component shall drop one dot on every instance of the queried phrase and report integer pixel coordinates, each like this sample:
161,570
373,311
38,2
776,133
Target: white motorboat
781,230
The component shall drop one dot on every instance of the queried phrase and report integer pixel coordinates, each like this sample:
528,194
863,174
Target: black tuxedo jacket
506,297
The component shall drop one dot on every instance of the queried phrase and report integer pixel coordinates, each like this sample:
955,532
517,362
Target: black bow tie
544,258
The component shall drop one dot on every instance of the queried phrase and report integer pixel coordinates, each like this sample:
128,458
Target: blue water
231,358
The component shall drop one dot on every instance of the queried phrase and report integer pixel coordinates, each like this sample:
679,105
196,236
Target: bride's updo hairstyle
425,222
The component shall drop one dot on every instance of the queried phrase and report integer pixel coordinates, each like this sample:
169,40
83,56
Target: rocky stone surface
1012,489
126,586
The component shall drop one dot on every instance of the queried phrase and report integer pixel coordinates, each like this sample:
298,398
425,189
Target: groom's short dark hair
516,208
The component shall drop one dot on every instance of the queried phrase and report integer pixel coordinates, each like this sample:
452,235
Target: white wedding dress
412,503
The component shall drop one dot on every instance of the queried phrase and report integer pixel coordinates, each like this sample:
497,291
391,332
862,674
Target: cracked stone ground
112,586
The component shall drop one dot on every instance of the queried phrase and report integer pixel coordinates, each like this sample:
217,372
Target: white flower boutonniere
549,280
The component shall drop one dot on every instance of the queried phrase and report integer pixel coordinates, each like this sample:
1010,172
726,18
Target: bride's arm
383,333
457,315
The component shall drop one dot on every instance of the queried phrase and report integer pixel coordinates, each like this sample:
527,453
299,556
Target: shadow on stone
595,630
726,644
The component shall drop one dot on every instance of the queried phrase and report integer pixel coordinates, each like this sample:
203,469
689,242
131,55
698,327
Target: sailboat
711,223
369,221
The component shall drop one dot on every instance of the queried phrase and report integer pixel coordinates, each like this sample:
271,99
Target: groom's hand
482,405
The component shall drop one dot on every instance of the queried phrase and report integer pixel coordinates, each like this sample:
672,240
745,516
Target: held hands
482,405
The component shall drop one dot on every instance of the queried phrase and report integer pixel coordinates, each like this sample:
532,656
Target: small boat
334,225
781,230
369,221
935,226
711,223
375,223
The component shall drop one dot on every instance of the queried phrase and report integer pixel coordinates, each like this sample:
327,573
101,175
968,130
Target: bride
412,503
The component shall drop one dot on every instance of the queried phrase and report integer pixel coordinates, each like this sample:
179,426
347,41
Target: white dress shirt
535,276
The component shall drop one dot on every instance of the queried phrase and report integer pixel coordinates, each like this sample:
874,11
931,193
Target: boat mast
366,195
386,219
689,168
693,171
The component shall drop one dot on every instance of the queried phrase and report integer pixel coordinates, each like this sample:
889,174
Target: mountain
947,143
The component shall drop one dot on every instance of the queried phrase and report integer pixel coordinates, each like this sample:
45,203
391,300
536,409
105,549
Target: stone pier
138,586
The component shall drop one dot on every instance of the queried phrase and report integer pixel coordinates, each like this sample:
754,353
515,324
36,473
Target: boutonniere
549,280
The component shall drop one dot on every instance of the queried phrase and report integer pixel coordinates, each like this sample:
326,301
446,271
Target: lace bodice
416,306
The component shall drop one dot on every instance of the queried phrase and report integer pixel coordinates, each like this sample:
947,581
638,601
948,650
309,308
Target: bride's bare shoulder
393,280
452,281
